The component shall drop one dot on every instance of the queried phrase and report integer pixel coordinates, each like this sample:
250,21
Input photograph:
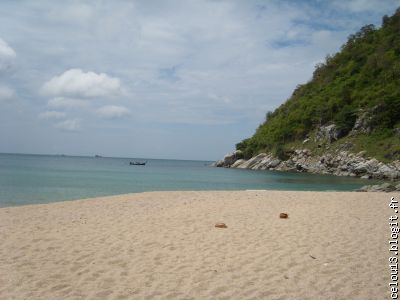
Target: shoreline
184,191
164,245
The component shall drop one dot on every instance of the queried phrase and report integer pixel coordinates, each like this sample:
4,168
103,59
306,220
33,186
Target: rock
283,215
360,168
301,168
395,164
387,187
373,164
364,188
340,162
330,133
252,161
218,163
397,187
237,163
221,225
396,132
388,172
362,153
384,187
274,163
362,123
228,159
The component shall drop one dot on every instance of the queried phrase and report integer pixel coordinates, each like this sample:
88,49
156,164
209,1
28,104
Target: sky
159,79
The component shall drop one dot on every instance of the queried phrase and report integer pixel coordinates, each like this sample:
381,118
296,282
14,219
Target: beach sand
163,245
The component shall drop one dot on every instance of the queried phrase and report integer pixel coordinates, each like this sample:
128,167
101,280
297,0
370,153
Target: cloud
7,55
6,93
75,82
112,112
69,125
52,114
358,6
226,66
67,103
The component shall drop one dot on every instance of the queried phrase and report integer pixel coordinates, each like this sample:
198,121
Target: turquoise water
29,179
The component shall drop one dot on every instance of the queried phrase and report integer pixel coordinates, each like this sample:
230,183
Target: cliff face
352,99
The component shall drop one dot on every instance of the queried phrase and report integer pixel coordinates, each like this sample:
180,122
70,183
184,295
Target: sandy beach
163,245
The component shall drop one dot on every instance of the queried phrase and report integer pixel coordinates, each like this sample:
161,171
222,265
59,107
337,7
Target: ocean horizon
42,178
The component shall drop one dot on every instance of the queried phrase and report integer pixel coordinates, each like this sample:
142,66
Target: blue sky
161,79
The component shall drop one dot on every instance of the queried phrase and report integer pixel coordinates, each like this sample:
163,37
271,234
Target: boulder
388,172
228,159
218,163
252,161
360,168
237,163
274,163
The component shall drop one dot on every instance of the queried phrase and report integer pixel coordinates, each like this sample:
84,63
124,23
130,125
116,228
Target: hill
352,102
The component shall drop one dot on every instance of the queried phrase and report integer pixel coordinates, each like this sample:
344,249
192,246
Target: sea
31,179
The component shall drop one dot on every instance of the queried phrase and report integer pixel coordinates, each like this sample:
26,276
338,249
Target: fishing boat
136,163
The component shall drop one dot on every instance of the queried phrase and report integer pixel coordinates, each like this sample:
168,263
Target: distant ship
98,156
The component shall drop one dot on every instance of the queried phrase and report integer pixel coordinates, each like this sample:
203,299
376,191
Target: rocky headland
344,121
340,163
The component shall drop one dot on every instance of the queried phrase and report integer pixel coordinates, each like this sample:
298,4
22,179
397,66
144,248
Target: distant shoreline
102,156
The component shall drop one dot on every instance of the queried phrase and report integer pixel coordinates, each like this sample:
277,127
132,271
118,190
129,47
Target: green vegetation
364,77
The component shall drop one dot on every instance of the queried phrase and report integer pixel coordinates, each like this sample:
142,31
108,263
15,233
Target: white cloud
112,111
7,54
230,64
52,114
6,93
67,103
69,125
75,82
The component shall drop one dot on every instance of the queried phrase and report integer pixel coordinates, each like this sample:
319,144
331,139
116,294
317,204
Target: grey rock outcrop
362,123
340,163
228,159
262,161
238,163
384,187
329,133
